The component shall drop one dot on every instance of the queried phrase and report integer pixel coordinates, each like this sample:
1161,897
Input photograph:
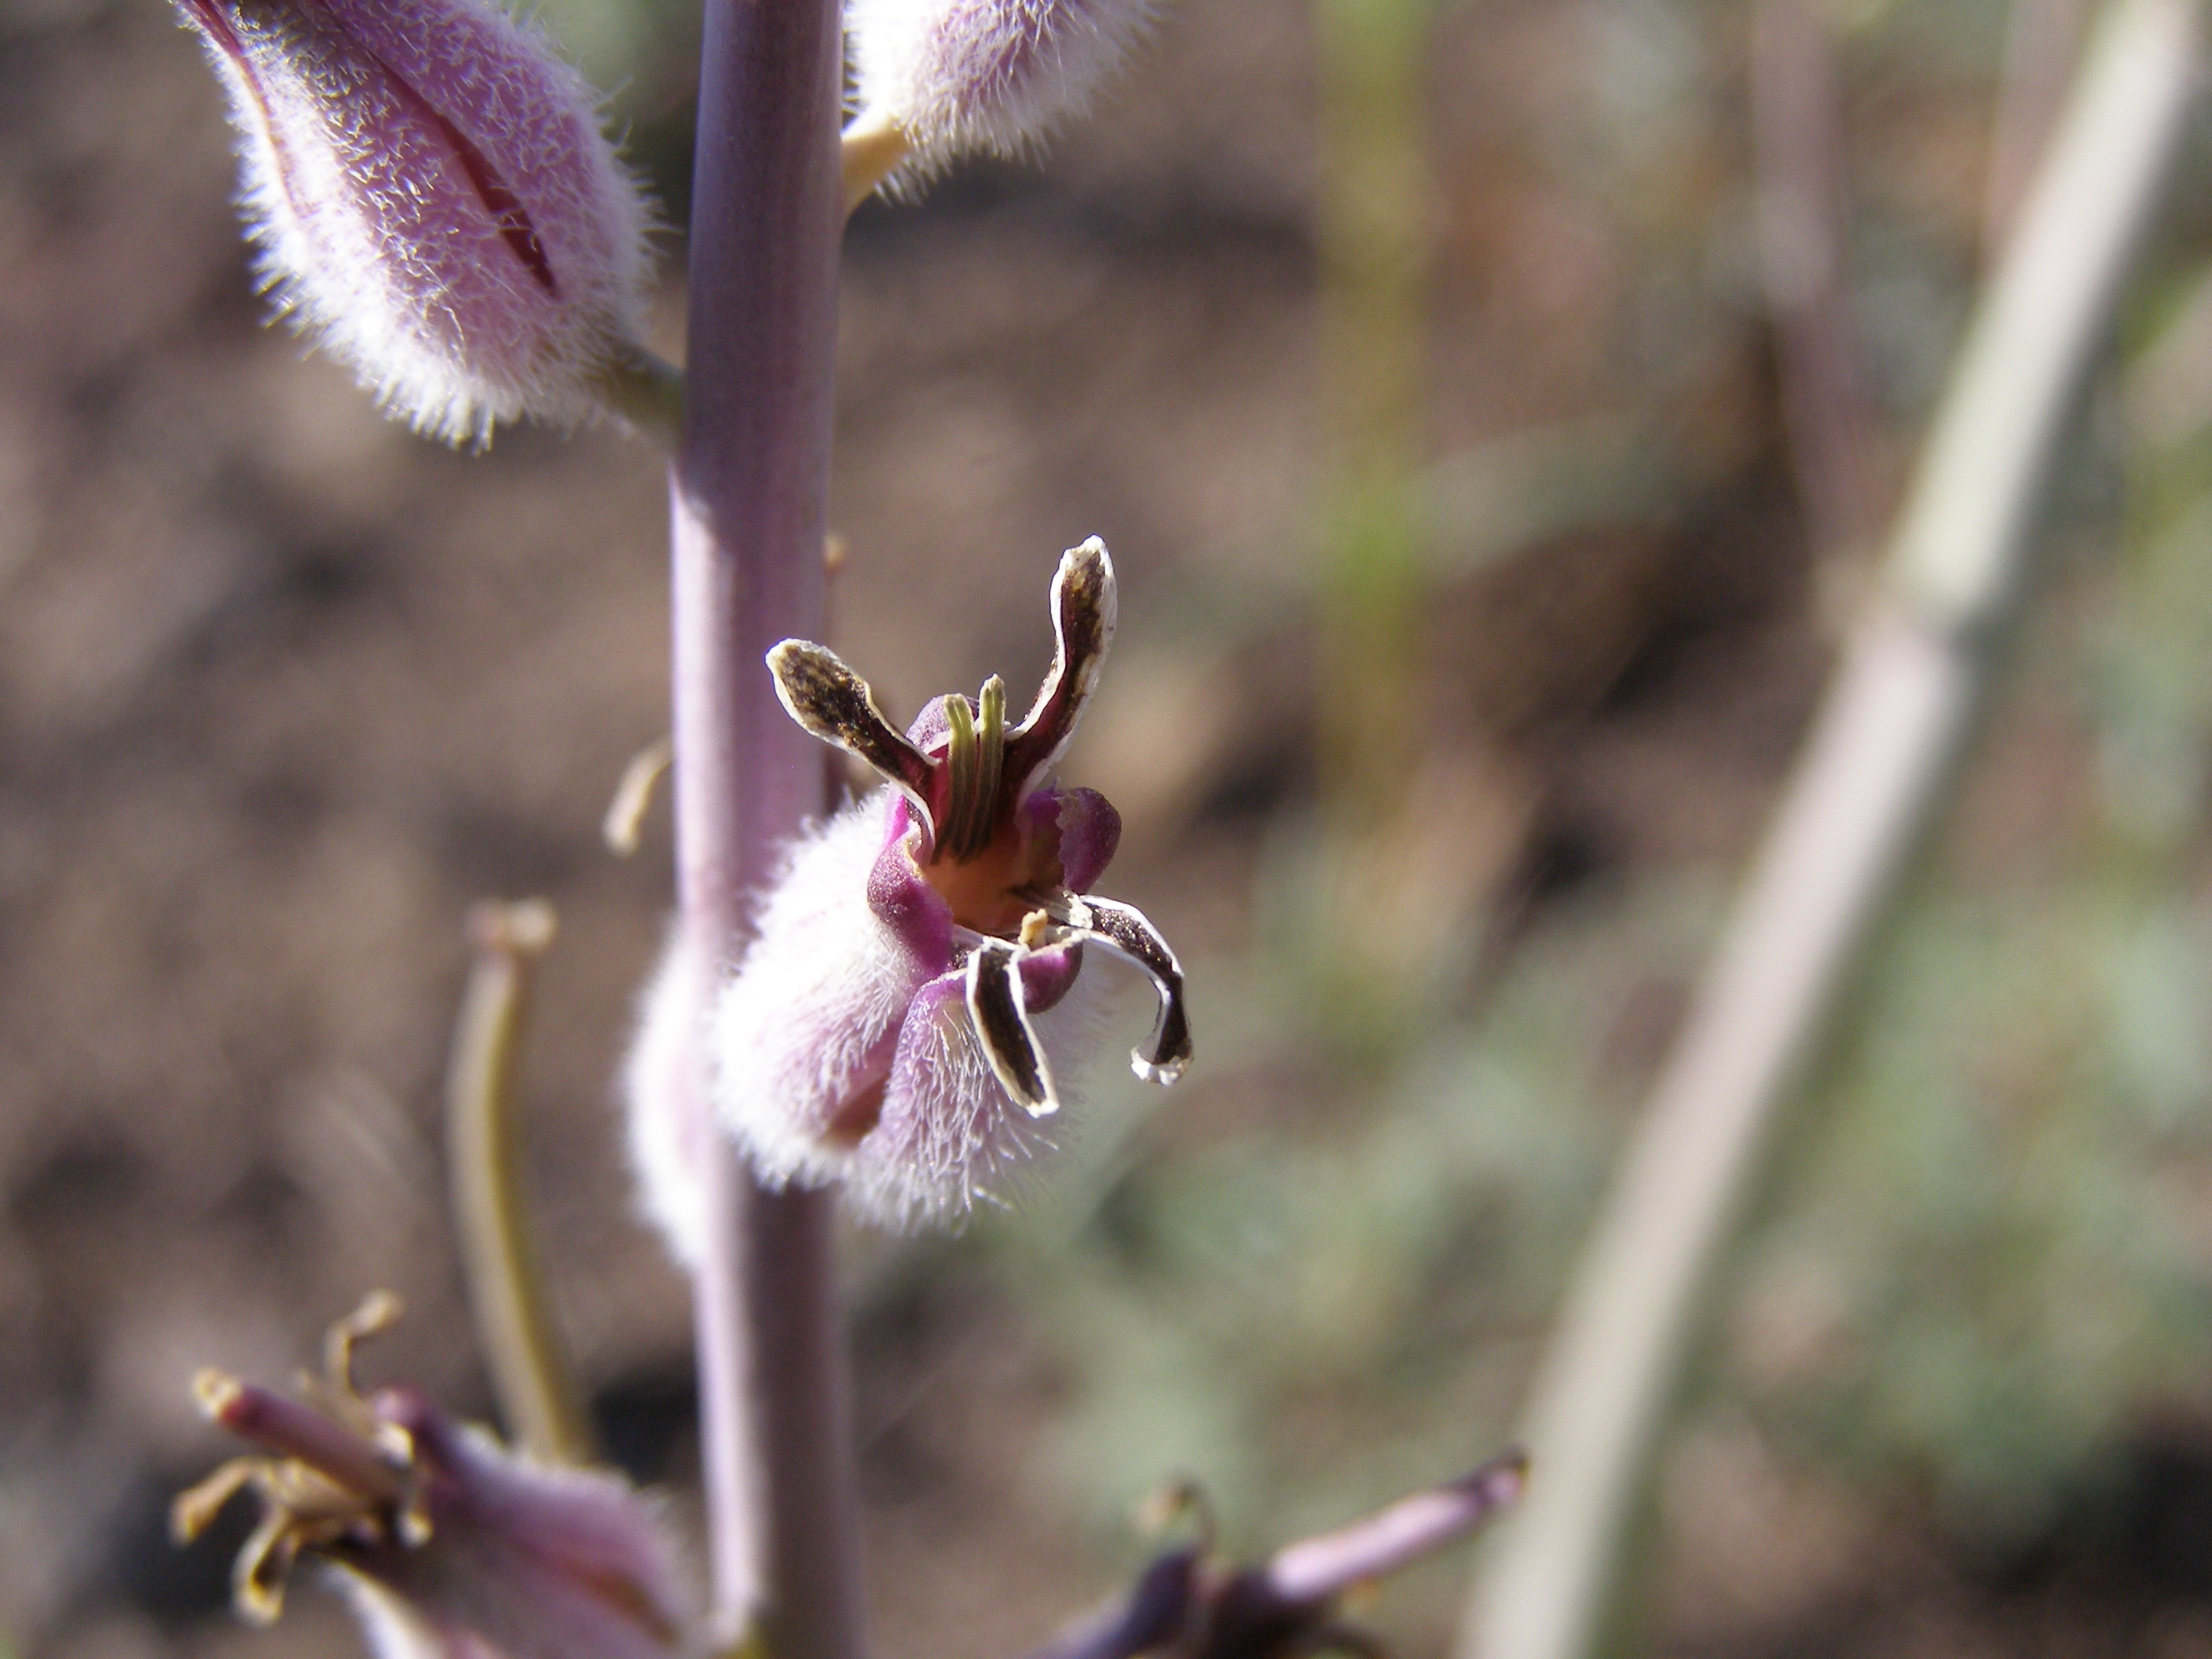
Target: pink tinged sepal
667,1059
433,201
840,1051
913,1002
957,76
449,1545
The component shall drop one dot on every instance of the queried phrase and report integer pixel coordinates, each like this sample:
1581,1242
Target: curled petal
1124,930
1084,610
1002,1022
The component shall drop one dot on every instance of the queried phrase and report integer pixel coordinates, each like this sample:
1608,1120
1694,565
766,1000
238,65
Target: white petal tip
1170,1071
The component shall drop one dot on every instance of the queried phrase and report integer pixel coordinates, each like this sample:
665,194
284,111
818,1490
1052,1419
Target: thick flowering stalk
938,79
448,1546
433,201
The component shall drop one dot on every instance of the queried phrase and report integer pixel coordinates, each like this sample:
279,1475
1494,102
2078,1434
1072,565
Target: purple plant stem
750,491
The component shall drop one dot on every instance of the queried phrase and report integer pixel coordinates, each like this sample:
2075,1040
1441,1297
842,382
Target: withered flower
1187,1604
449,1545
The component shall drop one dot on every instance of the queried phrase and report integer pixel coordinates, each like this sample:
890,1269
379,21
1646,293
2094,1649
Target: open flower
434,200
449,1545
910,1002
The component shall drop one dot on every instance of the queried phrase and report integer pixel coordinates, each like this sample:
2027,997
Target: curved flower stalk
448,1546
433,201
911,1000
938,79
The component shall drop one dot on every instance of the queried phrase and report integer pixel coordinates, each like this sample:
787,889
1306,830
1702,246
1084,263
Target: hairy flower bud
913,995
449,1545
433,201
954,76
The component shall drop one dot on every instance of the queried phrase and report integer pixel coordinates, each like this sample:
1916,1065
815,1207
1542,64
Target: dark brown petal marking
1083,612
1123,929
834,703
995,1005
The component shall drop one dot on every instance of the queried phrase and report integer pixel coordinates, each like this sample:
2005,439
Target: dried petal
451,1546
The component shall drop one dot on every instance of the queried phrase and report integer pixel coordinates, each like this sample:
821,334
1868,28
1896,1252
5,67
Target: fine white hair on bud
433,200
955,77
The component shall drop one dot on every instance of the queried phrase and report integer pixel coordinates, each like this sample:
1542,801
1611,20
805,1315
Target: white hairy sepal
664,1133
961,75
962,1141
372,251
814,1012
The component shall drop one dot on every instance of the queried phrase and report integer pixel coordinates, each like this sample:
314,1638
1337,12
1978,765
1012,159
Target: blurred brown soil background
283,690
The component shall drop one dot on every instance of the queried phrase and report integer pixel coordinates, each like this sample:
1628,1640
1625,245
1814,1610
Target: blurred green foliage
1993,1258
1990,1257
1313,1317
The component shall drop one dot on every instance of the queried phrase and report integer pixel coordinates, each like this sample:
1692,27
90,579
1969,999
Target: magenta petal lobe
1090,835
